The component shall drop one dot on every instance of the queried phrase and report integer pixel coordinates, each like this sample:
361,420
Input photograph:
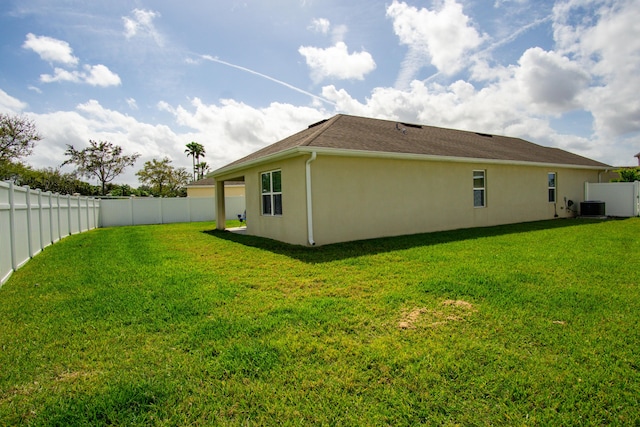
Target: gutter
309,201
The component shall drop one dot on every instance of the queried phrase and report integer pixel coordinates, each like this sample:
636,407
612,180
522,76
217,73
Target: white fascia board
452,159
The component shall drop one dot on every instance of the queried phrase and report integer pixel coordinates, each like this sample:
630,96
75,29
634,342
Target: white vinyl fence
151,210
620,198
31,220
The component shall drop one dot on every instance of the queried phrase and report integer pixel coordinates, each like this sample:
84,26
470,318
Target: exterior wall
356,198
201,191
210,191
362,198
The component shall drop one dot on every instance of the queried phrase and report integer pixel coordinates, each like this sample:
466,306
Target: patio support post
221,214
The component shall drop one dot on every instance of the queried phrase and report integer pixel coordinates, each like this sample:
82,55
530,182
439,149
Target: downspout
309,204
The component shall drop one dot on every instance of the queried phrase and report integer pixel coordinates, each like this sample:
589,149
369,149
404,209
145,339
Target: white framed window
479,189
271,189
551,183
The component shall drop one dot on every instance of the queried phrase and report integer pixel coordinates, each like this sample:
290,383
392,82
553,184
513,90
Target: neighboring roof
344,133
204,182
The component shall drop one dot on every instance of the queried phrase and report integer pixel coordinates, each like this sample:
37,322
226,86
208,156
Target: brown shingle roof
344,132
212,181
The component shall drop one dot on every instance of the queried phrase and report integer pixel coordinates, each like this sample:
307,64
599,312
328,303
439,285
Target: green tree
163,179
628,175
101,159
195,150
48,179
18,136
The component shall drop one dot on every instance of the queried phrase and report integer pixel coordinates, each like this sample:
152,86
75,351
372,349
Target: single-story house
206,187
352,178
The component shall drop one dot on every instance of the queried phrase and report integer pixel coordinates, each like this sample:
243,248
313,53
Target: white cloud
94,75
337,62
50,49
140,23
236,129
61,75
92,121
9,104
551,81
604,36
320,25
506,106
442,37
131,102
228,130
100,75
58,51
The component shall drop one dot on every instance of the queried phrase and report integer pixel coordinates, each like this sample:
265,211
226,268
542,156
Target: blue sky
152,76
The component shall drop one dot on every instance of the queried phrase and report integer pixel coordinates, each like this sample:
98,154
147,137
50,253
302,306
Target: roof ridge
322,127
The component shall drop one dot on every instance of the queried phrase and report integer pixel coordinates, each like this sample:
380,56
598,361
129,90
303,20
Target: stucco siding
210,191
357,198
201,191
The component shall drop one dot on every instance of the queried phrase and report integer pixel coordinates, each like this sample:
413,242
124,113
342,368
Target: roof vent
319,123
409,125
486,135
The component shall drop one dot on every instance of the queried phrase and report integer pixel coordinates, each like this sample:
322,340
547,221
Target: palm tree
196,151
203,168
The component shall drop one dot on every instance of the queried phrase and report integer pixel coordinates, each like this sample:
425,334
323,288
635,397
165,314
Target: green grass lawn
530,324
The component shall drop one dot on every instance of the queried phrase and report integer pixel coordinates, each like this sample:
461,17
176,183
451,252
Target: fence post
87,214
586,190
133,217
59,216
636,192
51,217
96,212
69,213
12,227
97,205
79,215
29,224
41,217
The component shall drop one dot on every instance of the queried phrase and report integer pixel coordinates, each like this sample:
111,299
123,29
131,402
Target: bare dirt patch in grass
452,311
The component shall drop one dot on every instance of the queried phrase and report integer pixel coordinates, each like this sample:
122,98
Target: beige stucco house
351,178
206,187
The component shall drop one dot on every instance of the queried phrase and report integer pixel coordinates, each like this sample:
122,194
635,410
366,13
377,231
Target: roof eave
295,151
281,155
453,159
